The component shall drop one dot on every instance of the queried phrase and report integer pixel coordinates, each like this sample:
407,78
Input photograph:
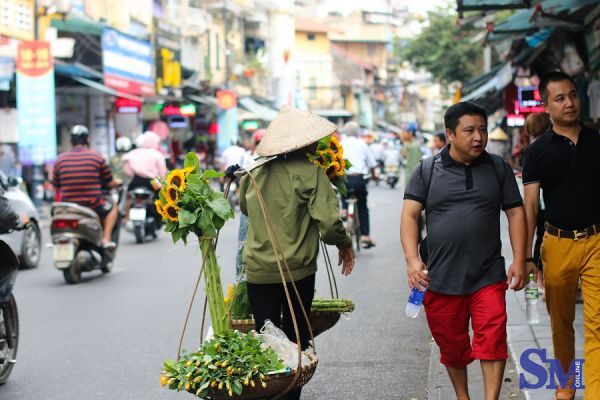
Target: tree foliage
444,48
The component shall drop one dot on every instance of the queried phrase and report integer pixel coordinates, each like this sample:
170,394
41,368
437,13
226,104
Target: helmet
139,141
79,134
258,135
80,130
123,144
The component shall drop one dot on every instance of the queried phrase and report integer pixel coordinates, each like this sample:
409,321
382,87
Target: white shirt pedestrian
233,155
358,153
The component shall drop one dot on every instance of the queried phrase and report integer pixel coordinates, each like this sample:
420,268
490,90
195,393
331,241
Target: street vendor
303,209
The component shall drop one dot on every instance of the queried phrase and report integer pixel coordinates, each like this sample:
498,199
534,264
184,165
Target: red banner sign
33,58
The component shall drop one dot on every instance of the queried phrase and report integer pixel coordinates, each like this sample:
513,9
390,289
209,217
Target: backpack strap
427,164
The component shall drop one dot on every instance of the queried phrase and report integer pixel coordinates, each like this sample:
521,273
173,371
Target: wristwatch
530,259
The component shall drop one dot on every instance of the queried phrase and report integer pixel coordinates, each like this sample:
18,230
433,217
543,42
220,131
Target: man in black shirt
565,163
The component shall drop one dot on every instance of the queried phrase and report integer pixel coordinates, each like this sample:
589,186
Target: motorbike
9,315
143,220
76,233
392,174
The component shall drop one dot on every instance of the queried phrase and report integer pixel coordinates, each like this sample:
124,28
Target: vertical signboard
35,103
168,57
127,63
17,19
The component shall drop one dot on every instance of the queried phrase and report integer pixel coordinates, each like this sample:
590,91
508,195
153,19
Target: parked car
27,244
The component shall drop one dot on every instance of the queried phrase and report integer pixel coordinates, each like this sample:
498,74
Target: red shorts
448,318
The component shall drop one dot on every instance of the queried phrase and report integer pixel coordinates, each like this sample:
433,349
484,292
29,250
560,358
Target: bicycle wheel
357,233
355,225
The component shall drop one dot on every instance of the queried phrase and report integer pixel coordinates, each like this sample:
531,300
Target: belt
575,235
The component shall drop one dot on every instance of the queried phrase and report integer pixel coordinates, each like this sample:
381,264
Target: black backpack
429,162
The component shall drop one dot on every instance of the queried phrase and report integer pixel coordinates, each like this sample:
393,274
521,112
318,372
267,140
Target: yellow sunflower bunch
330,157
176,183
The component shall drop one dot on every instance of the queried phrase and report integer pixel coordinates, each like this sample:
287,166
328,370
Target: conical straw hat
293,129
498,134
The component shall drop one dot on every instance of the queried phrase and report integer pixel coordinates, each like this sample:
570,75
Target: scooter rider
81,175
143,165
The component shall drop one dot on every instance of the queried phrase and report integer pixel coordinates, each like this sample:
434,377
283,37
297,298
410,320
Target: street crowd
460,188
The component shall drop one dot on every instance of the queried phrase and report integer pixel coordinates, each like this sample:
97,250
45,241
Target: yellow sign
17,19
170,73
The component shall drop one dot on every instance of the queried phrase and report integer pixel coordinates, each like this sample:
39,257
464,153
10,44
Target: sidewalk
521,336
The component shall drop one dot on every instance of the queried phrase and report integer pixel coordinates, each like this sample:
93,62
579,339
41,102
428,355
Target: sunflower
171,212
177,178
332,171
187,171
160,208
335,145
171,194
341,167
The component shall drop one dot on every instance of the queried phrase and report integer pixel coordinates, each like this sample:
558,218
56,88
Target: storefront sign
186,110
226,99
528,100
127,106
17,19
514,120
35,103
127,63
168,56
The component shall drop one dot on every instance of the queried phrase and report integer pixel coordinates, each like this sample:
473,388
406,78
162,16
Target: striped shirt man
80,175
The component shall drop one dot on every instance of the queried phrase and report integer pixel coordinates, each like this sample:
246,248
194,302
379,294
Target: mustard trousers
565,261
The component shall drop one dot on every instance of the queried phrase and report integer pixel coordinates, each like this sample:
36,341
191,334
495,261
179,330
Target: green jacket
302,205
412,154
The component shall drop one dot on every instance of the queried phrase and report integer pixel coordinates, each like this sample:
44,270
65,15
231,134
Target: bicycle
351,221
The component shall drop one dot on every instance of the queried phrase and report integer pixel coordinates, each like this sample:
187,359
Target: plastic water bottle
415,299
531,301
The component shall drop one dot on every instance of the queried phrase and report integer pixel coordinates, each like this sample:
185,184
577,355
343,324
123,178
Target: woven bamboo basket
320,322
276,384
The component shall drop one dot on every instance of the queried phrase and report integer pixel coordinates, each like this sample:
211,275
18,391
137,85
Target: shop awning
77,25
333,112
528,21
105,89
263,111
516,23
72,70
488,5
493,81
201,99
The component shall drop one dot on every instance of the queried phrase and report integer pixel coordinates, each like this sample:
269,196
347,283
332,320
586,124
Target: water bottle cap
531,278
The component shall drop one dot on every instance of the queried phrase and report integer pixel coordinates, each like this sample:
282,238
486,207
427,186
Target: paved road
106,338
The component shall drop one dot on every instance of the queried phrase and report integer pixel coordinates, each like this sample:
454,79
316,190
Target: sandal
367,244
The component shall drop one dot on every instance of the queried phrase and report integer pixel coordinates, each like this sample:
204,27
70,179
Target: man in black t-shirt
565,163
463,190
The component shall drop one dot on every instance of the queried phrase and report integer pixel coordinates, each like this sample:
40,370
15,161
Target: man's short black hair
456,111
441,136
79,140
554,76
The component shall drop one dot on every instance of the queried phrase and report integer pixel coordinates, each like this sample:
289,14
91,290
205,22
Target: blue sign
35,104
538,370
127,63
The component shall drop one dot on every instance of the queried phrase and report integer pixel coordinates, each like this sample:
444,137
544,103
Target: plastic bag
277,340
